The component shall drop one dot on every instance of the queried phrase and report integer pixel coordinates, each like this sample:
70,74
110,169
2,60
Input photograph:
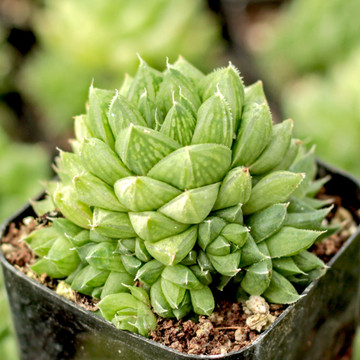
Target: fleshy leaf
173,249
142,193
153,226
179,124
276,149
214,122
192,206
257,278
289,241
202,301
100,160
253,136
112,224
94,192
96,119
193,166
122,113
235,188
280,290
71,207
273,188
140,148
182,276
266,222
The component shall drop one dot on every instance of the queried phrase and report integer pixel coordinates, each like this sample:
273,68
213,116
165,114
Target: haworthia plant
180,181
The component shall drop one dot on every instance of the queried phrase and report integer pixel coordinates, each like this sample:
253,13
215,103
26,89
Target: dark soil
226,330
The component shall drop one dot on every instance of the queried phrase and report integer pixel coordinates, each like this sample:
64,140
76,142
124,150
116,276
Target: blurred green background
306,51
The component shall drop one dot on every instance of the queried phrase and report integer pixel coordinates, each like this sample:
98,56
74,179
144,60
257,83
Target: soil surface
232,326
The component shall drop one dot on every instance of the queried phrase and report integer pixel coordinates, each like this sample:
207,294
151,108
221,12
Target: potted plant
179,184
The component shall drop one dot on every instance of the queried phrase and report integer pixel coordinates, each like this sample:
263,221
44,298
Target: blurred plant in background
310,36
329,108
310,54
23,166
80,40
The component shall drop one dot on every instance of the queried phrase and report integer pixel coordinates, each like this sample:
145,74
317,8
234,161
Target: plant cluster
181,181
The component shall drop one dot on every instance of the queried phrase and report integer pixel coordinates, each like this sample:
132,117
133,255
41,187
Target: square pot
50,327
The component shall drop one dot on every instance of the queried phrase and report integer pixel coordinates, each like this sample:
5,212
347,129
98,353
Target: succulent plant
180,181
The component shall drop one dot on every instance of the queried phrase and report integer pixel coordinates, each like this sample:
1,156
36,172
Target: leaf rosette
182,182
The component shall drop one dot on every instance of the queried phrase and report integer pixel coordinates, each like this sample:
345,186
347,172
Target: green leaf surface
192,206
142,193
289,241
153,226
140,148
193,166
173,249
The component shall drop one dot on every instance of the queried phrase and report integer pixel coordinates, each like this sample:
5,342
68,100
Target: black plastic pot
50,327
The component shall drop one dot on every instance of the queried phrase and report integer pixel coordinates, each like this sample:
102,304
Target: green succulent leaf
266,222
140,148
101,161
113,224
235,188
257,278
122,113
227,265
173,249
286,266
202,301
173,293
214,124
273,188
179,124
182,276
94,192
71,207
228,81
209,230
307,220
145,78
142,193
289,241
196,166
250,253
153,226
307,261
276,149
41,240
192,206
280,290
254,134
116,283
159,302
150,272
103,256
96,119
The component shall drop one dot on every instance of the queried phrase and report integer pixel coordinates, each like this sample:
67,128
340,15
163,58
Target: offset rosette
181,181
